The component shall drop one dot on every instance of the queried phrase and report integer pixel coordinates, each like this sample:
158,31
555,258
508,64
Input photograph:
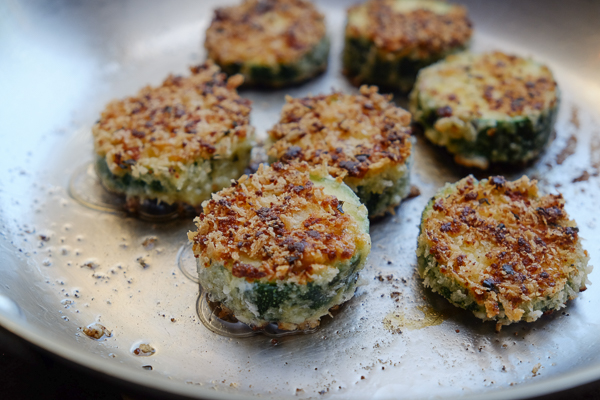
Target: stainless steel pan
64,265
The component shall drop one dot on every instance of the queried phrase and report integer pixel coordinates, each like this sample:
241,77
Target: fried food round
271,42
487,108
175,143
363,139
283,245
501,250
387,42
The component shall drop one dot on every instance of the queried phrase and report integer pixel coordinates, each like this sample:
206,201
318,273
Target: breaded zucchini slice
363,139
501,250
487,108
175,143
271,42
387,42
283,245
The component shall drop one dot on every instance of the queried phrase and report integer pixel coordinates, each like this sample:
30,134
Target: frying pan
69,259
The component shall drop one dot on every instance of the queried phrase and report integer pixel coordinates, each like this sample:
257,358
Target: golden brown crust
183,120
421,31
489,84
502,242
356,136
266,32
276,224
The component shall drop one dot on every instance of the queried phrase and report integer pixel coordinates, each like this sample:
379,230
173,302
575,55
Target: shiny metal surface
64,266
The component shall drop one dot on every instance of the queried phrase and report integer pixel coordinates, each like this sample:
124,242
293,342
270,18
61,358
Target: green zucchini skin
207,176
310,65
287,302
514,140
365,63
378,201
442,277
260,303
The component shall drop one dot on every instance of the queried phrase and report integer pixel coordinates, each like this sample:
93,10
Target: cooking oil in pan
85,188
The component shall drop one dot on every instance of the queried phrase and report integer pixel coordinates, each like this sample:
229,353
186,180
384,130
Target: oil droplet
187,262
85,187
219,321
412,320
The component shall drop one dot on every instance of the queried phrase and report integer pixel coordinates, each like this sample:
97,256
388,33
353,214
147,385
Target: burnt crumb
414,192
90,265
582,178
489,284
508,269
142,262
241,270
551,214
568,150
291,153
44,238
498,181
470,196
444,111
149,243
138,134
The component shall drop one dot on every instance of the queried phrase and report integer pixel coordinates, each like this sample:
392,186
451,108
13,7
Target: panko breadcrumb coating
363,139
178,142
389,41
487,108
283,245
501,250
271,42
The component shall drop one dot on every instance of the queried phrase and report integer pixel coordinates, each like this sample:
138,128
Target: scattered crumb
568,150
274,342
535,369
150,242
144,350
90,265
414,192
44,238
142,262
575,117
582,178
147,367
96,331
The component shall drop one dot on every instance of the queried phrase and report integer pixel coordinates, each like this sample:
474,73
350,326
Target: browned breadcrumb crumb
279,217
165,127
503,242
96,331
264,31
356,136
494,82
144,349
421,32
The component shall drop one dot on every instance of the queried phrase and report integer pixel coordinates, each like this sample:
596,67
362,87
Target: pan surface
65,265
